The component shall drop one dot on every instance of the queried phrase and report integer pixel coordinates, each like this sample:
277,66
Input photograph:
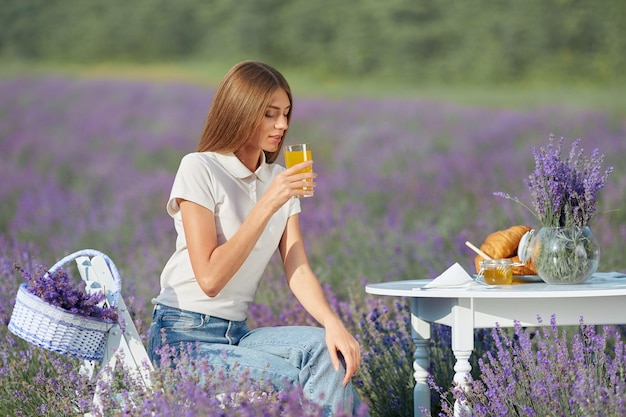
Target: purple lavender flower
57,290
394,202
539,371
564,192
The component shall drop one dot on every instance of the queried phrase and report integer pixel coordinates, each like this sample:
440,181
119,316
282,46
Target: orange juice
295,157
294,154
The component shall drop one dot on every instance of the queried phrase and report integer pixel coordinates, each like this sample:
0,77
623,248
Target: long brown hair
239,105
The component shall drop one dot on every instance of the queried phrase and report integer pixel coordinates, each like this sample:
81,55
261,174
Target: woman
232,208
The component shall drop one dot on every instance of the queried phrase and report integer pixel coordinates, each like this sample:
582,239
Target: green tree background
425,41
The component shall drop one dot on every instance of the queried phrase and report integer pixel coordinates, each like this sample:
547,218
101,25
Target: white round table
600,300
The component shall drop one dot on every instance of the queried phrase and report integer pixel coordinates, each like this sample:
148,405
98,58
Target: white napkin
453,277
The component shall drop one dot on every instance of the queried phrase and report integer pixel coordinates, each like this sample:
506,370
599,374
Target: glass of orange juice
294,154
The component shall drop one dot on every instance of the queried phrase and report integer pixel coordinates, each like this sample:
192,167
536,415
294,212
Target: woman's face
269,135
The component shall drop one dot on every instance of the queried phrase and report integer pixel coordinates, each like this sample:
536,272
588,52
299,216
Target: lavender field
402,185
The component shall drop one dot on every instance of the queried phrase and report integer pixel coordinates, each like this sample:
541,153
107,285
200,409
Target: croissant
503,244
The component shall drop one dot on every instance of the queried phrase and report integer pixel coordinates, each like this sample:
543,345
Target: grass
523,95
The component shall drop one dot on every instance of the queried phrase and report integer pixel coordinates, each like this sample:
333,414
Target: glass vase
565,255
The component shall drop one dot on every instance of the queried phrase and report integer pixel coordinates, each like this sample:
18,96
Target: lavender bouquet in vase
564,194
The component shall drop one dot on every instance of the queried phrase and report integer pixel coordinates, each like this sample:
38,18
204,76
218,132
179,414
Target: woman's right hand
290,183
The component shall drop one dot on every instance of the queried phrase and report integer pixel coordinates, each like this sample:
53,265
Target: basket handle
92,252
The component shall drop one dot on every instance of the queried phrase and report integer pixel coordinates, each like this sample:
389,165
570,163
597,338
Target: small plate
517,279
527,278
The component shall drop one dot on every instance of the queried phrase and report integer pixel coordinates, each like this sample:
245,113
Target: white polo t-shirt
221,183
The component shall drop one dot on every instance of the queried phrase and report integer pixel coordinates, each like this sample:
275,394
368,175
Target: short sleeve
193,182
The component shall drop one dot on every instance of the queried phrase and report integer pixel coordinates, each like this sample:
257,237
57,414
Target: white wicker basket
56,329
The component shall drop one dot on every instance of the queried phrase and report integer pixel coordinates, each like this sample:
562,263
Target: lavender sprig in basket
50,313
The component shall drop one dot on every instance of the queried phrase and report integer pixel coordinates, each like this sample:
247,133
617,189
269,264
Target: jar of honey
497,271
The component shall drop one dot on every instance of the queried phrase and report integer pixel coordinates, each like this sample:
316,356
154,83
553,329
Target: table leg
420,333
462,347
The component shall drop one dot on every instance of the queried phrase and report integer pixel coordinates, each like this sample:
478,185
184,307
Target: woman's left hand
338,339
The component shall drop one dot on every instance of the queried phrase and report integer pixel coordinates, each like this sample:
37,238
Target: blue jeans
297,354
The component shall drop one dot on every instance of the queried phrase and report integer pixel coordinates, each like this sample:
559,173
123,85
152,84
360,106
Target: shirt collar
236,168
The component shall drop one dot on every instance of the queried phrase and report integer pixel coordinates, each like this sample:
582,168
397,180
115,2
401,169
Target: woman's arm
214,265
307,289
